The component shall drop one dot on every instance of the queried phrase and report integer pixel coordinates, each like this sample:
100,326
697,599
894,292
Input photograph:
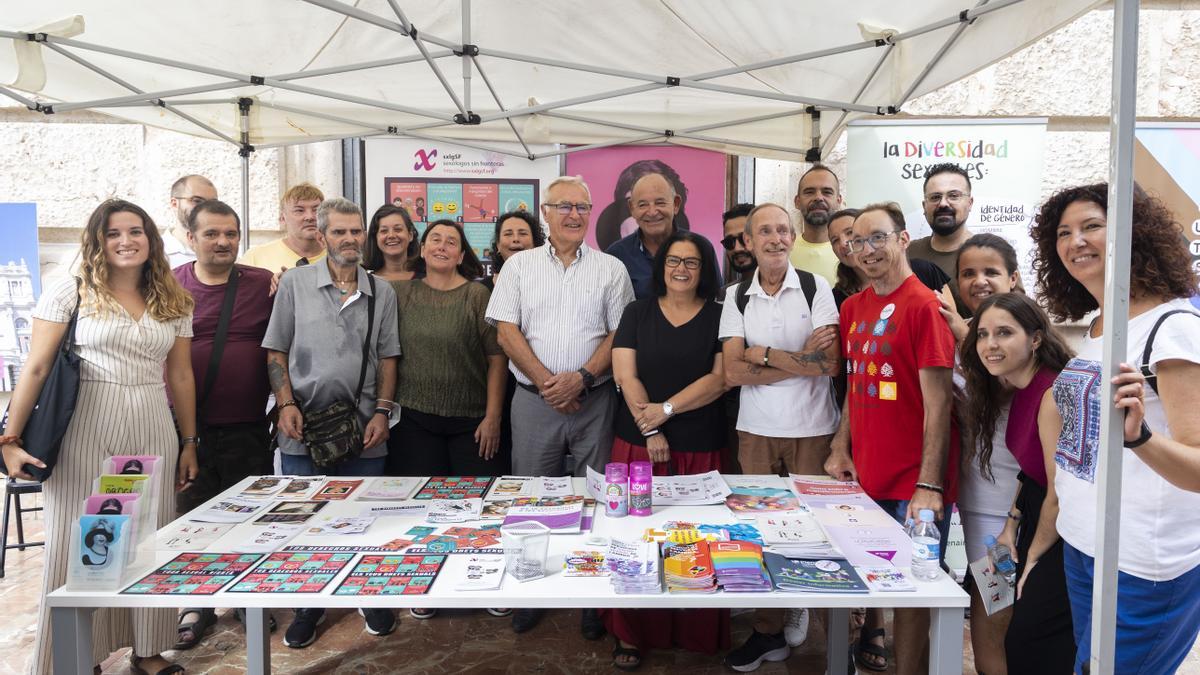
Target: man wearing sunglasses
653,203
739,259
186,193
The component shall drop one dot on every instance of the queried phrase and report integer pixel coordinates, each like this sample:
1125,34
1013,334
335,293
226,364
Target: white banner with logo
886,160
436,180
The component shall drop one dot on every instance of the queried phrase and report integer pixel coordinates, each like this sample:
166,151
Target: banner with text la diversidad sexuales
436,180
886,160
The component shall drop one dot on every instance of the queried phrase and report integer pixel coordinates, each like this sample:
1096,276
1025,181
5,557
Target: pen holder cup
525,546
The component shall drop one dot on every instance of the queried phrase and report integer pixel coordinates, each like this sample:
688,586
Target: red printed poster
481,202
409,195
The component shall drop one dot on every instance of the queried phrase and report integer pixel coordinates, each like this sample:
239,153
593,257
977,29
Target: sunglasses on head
732,240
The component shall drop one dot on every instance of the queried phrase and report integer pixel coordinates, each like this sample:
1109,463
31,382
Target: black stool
12,497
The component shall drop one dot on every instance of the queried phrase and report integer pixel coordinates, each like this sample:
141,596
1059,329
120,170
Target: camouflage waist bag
335,433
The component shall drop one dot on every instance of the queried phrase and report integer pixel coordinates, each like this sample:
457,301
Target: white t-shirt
1160,537
800,406
177,252
980,495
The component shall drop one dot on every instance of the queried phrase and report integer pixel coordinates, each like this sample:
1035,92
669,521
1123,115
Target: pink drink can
641,476
616,490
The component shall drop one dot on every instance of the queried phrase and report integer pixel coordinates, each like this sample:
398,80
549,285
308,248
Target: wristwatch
588,379
1142,437
668,409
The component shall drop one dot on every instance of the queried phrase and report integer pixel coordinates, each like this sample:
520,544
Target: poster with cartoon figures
472,187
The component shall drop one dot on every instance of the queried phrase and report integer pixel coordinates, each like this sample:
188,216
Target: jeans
302,465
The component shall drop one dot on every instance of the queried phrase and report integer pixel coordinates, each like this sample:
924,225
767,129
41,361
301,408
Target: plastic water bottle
1002,560
926,550
616,490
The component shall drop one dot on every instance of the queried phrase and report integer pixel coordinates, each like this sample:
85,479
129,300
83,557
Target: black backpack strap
808,284
742,297
219,339
362,372
1145,363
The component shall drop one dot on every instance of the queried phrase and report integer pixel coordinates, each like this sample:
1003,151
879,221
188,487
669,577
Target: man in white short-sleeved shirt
781,349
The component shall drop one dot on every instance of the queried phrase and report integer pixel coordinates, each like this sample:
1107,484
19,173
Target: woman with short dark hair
667,366
1158,589
515,231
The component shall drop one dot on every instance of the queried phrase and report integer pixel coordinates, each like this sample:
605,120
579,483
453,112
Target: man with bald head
653,204
186,193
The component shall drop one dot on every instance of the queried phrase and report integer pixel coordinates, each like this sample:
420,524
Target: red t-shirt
887,340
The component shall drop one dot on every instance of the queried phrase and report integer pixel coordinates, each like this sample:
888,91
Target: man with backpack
779,331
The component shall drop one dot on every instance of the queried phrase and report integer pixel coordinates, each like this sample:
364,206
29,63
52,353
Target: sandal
421,613
192,632
864,649
633,657
135,667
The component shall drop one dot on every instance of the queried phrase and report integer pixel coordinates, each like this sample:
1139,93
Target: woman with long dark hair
1158,589
391,244
1010,357
134,320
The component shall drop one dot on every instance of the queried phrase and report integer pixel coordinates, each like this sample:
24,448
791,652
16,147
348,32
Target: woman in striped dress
134,317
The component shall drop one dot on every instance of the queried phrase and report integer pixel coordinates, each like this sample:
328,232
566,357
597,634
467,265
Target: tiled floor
453,642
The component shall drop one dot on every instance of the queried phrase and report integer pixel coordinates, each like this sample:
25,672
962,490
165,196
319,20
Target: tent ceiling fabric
610,61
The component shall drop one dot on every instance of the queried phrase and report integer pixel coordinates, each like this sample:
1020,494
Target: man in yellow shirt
817,197
302,242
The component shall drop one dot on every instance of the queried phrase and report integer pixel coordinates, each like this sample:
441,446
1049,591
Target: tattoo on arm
817,358
754,368
278,375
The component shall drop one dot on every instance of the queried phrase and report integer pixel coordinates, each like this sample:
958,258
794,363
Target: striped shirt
564,313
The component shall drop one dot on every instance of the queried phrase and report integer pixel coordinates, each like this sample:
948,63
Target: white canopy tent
769,79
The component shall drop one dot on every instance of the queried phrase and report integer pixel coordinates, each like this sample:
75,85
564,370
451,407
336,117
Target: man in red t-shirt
897,436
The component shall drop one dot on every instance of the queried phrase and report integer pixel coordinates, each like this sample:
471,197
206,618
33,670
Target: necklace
341,290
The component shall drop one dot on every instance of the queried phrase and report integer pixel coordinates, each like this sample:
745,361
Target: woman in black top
667,364
515,231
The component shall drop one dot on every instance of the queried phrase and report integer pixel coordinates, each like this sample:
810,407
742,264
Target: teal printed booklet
817,575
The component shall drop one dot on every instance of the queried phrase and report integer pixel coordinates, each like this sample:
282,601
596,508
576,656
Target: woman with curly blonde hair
133,318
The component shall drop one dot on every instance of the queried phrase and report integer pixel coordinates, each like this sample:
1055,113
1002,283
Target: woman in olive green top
451,377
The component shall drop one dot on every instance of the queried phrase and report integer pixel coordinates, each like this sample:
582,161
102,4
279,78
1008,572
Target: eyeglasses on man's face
564,208
876,240
954,197
675,261
732,240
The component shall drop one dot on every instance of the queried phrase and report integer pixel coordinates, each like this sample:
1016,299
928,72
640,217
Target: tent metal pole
937,58
418,40
147,96
786,60
676,132
356,13
578,100
245,151
1116,321
348,98
28,103
837,126
556,63
466,58
366,65
593,146
113,78
500,104
971,15
802,100
157,60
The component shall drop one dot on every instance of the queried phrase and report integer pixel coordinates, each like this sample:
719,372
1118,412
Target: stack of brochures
739,566
688,567
634,567
797,535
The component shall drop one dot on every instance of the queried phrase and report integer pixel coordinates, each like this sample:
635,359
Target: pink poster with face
698,176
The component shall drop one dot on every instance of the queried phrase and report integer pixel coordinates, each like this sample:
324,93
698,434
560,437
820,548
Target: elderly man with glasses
653,203
947,202
556,308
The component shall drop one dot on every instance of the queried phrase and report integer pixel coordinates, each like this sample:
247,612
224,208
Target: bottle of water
926,550
1002,560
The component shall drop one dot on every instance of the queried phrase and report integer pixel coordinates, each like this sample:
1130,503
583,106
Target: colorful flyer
287,572
194,574
411,196
454,487
131,464
120,485
445,202
291,512
336,489
265,486
480,202
300,487
112,505
392,575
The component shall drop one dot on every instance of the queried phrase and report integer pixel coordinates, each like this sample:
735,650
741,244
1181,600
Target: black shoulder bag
51,415
335,433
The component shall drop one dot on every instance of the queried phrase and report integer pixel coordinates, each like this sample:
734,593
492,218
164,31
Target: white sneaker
795,627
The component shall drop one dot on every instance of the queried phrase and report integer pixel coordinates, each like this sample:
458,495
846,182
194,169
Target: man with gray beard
333,336
817,196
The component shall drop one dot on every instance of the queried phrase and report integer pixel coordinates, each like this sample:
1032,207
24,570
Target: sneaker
379,621
421,613
525,619
303,631
758,648
795,627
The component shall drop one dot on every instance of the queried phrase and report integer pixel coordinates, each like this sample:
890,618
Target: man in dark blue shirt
653,203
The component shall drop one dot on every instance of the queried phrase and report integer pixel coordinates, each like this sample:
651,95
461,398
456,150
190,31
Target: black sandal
863,648
196,629
135,666
633,654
